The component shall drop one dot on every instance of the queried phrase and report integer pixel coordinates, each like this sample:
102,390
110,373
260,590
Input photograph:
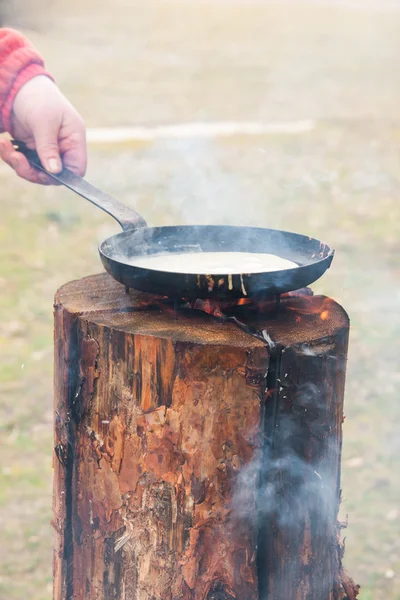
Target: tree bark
194,461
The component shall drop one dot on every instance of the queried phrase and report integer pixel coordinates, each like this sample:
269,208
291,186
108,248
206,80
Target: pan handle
126,217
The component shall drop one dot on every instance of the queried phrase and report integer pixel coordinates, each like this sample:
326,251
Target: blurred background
320,81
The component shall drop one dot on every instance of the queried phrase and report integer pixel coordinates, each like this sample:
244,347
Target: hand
45,120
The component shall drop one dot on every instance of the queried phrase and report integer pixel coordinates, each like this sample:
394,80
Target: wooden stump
194,461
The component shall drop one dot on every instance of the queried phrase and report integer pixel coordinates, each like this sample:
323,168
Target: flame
211,307
243,301
304,305
217,307
313,306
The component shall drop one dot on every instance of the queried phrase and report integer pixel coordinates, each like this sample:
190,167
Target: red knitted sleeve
19,62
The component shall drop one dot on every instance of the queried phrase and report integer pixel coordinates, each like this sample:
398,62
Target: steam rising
205,190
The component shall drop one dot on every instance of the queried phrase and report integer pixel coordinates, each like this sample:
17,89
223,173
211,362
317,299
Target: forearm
19,62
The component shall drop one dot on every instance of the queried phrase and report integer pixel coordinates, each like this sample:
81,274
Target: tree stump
195,459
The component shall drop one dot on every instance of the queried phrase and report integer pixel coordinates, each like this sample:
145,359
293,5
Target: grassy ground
164,62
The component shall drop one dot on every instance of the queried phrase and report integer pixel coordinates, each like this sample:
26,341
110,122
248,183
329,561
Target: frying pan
136,239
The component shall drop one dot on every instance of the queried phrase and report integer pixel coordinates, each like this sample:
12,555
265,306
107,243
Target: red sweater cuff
32,70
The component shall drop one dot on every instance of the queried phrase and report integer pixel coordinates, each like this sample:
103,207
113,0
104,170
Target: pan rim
122,234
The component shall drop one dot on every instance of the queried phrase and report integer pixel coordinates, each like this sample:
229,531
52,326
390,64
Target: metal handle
126,217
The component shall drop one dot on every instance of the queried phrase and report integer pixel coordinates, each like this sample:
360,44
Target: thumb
46,142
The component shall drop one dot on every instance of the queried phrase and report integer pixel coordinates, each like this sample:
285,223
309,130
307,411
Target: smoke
294,480
270,477
284,481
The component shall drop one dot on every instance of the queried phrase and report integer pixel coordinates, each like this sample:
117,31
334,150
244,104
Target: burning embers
218,308
250,314
313,307
301,303
268,307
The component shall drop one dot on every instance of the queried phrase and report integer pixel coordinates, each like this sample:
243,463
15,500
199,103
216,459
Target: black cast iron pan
312,256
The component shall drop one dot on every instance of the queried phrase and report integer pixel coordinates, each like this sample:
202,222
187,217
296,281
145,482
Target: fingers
45,117
51,142
20,164
73,146
67,141
46,142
